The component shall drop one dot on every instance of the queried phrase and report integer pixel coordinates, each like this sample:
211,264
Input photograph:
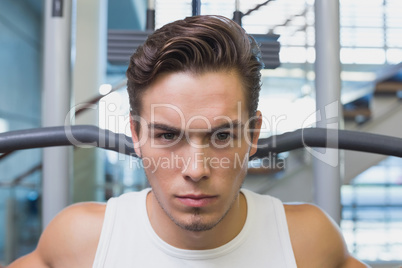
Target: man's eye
168,136
222,136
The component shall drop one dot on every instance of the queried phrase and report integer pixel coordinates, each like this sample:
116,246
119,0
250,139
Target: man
193,90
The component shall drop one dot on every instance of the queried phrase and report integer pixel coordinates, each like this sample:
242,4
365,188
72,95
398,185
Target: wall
20,95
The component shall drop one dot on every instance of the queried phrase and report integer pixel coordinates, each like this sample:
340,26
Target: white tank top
128,239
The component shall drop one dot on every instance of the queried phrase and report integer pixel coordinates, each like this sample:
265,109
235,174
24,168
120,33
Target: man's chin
197,226
196,222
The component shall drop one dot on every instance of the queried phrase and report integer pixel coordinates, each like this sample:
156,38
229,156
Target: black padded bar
91,136
331,138
79,135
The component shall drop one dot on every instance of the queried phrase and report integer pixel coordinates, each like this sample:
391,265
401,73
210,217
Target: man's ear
135,136
256,133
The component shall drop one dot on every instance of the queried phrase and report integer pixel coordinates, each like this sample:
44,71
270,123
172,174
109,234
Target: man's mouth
197,200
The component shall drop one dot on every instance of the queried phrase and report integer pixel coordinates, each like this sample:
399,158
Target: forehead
201,99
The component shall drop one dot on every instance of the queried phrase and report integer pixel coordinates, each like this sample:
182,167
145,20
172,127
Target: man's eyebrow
227,125
164,127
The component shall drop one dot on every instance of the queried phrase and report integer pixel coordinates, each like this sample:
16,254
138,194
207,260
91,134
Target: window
372,212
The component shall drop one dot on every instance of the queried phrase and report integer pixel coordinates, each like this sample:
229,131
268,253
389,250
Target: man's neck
226,230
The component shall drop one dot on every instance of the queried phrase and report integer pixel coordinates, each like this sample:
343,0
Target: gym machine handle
92,136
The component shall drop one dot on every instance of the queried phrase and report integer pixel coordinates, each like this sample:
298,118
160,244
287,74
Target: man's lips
193,200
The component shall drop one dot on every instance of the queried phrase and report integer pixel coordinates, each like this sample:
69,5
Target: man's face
195,143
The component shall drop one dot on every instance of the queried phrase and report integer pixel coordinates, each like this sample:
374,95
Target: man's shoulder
316,239
70,239
79,217
73,235
301,209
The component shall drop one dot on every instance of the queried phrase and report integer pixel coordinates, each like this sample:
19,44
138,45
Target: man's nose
197,167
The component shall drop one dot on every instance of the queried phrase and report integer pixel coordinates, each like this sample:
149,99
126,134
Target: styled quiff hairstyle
197,45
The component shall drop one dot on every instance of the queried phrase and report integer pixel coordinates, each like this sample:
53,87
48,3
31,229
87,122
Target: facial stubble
196,224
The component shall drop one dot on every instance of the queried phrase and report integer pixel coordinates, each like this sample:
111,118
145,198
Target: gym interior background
371,82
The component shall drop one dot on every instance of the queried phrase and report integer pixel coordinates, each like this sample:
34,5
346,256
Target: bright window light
362,56
4,127
394,56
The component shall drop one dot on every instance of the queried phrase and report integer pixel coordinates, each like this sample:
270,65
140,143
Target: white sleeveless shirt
128,239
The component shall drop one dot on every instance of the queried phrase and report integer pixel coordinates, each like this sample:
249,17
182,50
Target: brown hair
196,44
